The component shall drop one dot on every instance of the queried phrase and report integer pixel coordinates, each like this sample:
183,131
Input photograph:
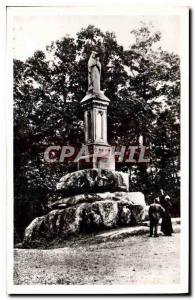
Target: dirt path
137,259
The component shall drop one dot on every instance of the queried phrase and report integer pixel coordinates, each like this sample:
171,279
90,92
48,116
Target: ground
132,260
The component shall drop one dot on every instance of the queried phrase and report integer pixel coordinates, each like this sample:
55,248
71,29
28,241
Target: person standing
166,226
155,212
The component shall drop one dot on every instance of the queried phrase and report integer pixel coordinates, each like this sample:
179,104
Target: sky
31,33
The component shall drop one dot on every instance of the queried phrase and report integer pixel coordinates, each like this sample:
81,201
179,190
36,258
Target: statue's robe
94,70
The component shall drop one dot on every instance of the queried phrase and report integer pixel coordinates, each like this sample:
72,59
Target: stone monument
95,197
95,105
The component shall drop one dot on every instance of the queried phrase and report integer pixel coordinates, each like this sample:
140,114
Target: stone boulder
87,217
133,198
93,180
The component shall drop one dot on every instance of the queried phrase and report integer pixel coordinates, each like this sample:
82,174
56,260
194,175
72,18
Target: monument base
89,212
93,181
100,157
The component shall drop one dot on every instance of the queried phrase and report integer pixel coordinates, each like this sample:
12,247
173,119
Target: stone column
95,117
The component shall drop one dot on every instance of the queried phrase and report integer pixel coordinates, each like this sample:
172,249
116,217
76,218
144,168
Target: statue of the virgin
94,72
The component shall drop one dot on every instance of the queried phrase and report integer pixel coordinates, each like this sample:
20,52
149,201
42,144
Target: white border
105,289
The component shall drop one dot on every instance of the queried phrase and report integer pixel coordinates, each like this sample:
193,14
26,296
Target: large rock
56,223
90,216
133,198
93,180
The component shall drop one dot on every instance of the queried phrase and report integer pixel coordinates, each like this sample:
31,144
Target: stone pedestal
95,116
89,212
100,157
93,180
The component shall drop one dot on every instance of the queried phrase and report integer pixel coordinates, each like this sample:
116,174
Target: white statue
94,71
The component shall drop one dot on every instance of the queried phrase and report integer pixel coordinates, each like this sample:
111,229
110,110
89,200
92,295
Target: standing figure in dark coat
155,212
166,226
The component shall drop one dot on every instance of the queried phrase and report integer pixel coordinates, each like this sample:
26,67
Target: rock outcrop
87,213
93,180
133,198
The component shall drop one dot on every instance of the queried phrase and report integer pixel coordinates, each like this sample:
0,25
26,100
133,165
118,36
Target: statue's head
94,59
93,54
